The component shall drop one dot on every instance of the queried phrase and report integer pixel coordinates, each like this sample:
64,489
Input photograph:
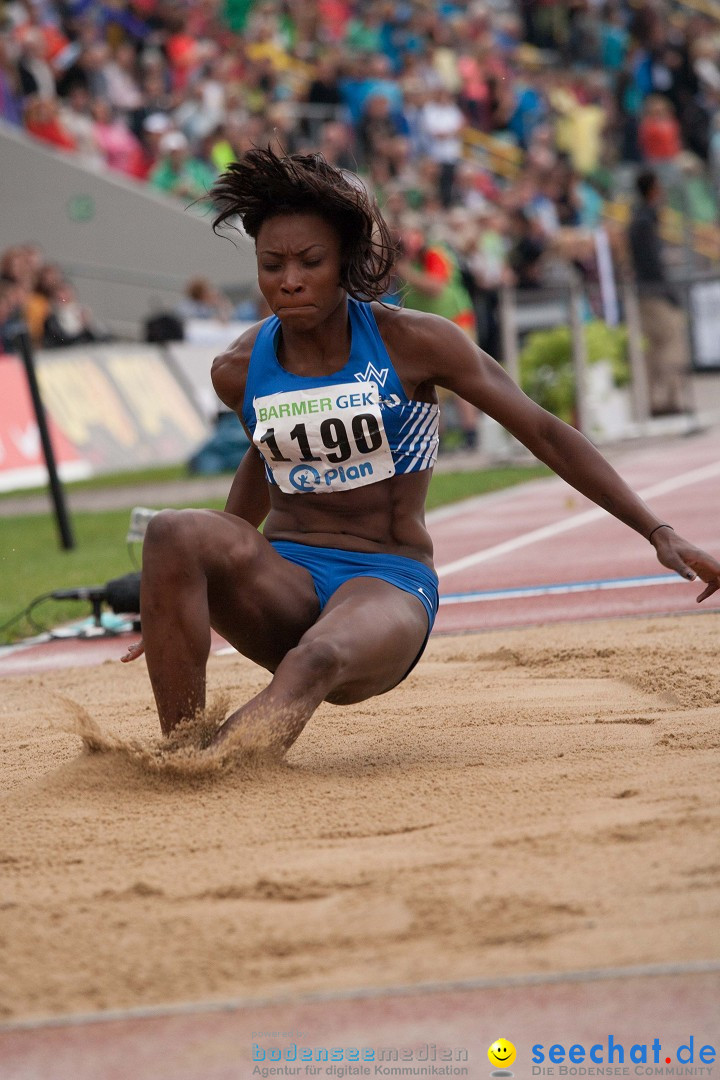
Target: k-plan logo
304,477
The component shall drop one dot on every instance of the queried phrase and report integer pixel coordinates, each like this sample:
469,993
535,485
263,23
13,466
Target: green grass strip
32,562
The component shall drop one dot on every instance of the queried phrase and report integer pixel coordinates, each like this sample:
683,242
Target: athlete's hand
687,560
133,652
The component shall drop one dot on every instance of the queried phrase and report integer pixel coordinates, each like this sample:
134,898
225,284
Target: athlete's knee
187,532
187,545
173,547
169,529
319,661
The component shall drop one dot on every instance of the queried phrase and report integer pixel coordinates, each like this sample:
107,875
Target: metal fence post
57,493
499,444
639,389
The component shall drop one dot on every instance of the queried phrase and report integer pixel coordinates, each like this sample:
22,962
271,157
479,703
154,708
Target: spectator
527,253
415,96
614,39
335,16
368,76
42,120
203,301
434,283
48,280
581,118
659,131
462,236
377,128
198,116
324,91
36,75
88,71
577,202
500,106
35,21
336,146
281,120
68,323
75,115
473,95
230,143
177,173
155,100
488,264
10,88
154,127
10,315
661,315
364,32
442,123
120,149
123,88
18,265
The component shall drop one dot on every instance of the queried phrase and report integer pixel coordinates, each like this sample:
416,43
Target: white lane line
560,589
547,532
197,1009
23,646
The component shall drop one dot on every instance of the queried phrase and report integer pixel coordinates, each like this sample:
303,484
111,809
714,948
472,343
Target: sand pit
533,800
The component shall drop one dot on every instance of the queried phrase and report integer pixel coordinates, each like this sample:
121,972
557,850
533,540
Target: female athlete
337,596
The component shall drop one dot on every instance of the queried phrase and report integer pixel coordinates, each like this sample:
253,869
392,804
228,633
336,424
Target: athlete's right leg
203,568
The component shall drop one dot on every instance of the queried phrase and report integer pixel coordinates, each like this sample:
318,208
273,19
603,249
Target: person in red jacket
659,131
42,120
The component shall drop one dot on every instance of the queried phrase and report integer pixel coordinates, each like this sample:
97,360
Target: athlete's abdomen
387,516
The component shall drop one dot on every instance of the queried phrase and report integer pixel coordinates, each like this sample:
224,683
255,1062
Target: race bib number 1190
329,438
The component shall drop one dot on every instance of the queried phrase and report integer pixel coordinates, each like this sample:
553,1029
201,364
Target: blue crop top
320,433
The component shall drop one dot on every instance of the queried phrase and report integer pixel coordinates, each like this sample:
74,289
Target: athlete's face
298,258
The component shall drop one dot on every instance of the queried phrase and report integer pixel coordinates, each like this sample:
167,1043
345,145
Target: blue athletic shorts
331,567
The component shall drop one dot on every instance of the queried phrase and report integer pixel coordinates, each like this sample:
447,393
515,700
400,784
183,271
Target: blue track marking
560,589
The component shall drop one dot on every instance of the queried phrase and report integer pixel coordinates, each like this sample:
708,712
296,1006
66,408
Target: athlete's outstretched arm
469,372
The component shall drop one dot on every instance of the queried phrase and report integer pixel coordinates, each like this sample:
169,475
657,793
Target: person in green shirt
177,172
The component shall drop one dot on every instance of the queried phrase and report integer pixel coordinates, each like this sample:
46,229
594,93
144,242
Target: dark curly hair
264,184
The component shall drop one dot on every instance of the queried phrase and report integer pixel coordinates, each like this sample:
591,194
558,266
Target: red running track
537,539
543,537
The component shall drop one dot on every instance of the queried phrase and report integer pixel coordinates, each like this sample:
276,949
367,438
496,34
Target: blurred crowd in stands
36,297
170,91
406,92
491,131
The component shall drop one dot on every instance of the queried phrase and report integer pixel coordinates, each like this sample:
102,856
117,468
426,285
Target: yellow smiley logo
502,1053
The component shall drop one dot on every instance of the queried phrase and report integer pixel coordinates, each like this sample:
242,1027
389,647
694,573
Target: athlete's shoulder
230,368
406,331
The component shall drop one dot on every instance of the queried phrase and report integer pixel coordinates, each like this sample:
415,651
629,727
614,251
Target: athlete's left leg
363,644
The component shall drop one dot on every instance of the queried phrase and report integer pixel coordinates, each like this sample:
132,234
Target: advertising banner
111,408
21,458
